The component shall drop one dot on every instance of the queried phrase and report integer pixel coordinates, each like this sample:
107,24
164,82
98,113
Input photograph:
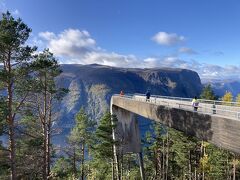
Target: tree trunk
163,161
167,156
10,121
159,163
12,151
228,174
48,153
49,125
129,168
74,162
45,154
155,163
140,158
45,128
122,165
82,164
113,175
195,167
113,167
190,165
115,151
234,168
202,155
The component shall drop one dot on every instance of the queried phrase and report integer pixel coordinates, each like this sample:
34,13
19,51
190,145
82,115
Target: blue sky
200,35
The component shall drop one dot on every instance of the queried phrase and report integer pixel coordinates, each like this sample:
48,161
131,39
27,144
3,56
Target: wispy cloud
218,53
16,12
187,50
164,38
4,8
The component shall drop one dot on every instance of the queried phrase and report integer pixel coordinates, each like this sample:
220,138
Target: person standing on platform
195,103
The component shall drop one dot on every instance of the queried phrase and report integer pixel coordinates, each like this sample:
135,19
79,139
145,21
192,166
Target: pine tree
45,94
169,154
29,147
14,57
207,93
62,169
103,157
80,140
153,151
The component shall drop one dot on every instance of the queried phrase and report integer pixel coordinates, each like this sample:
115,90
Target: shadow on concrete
189,122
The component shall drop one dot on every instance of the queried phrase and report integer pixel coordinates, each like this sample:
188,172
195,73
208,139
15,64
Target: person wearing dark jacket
148,94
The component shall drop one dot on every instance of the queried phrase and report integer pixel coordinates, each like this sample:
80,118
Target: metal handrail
190,99
214,109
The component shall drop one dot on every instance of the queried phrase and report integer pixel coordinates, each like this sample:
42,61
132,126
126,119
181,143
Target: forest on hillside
28,111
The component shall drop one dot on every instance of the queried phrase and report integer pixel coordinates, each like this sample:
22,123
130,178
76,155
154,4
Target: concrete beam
223,132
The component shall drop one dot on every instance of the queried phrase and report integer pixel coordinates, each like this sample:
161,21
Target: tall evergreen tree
14,57
44,96
103,157
80,142
29,147
207,93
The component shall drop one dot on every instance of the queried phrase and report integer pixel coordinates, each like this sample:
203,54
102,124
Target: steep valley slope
91,87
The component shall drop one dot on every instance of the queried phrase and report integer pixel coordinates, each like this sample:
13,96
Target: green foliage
167,153
80,141
83,129
217,162
62,169
104,146
99,169
4,165
3,114
14,54
102,153
14,72
29,147
207,93
45,69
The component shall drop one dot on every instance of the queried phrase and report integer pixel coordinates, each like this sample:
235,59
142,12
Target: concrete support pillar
128,135
127,131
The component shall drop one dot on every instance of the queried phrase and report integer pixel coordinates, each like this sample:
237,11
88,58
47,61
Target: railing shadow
189,122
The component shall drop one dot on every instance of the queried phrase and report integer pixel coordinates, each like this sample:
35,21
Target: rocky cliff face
92,86
220,87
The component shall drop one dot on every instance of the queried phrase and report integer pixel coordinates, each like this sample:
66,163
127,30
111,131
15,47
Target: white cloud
47,35
104,58
70,43
165,38
73,46
205,71
187,50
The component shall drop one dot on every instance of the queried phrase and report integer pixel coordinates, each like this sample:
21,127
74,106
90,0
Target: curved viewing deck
215,121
